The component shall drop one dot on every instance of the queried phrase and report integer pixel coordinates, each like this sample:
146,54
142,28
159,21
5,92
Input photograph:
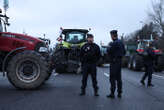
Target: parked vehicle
136,52
21,58
66,56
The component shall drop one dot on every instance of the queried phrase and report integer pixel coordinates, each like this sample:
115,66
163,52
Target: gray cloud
47,16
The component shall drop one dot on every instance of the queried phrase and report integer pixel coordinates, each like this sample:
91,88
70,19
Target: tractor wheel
27,70
60,68
160,64
137,62
49,74
125,61
129,65
59,59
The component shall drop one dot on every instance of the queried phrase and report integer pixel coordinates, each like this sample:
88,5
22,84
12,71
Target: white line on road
162,77
106,74
55,74
158,76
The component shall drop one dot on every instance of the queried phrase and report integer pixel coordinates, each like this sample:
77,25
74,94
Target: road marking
106,65
55,74
158,76
106,74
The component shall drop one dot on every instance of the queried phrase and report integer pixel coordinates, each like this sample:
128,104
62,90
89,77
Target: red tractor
22,58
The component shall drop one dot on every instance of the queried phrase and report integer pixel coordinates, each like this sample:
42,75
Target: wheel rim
28,71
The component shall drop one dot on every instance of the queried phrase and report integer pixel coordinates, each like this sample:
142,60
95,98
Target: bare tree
157,15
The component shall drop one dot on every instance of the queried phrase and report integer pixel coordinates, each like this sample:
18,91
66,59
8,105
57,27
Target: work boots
82,92
112,96
119,95
150,85
96,92
142,82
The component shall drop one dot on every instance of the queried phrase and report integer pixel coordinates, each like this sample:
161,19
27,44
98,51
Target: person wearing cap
116,51
89,55
149,59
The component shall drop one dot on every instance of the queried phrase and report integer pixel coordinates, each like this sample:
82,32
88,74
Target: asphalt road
61,93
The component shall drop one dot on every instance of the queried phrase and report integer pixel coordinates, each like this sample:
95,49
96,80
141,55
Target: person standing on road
149,63
89,55
115,51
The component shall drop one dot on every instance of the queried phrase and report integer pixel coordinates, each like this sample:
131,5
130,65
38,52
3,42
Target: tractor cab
73,37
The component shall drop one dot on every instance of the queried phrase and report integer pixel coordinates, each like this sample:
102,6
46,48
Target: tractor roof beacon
21,58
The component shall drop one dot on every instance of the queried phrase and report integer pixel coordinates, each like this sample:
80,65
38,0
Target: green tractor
66,55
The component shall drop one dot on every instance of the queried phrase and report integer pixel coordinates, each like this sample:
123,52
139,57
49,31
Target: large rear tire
130,64
160,64
49,74
60,60
125,62
27,70
137,63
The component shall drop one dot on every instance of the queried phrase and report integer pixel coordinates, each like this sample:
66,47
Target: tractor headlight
43,49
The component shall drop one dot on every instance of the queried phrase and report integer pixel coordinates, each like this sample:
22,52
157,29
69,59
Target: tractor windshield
75,37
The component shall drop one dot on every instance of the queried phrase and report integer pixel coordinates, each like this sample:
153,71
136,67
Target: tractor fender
6,57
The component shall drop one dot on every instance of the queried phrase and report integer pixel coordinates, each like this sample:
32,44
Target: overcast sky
47,16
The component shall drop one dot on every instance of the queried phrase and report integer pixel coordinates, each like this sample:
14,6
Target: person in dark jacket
89,55
149,63
115,51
